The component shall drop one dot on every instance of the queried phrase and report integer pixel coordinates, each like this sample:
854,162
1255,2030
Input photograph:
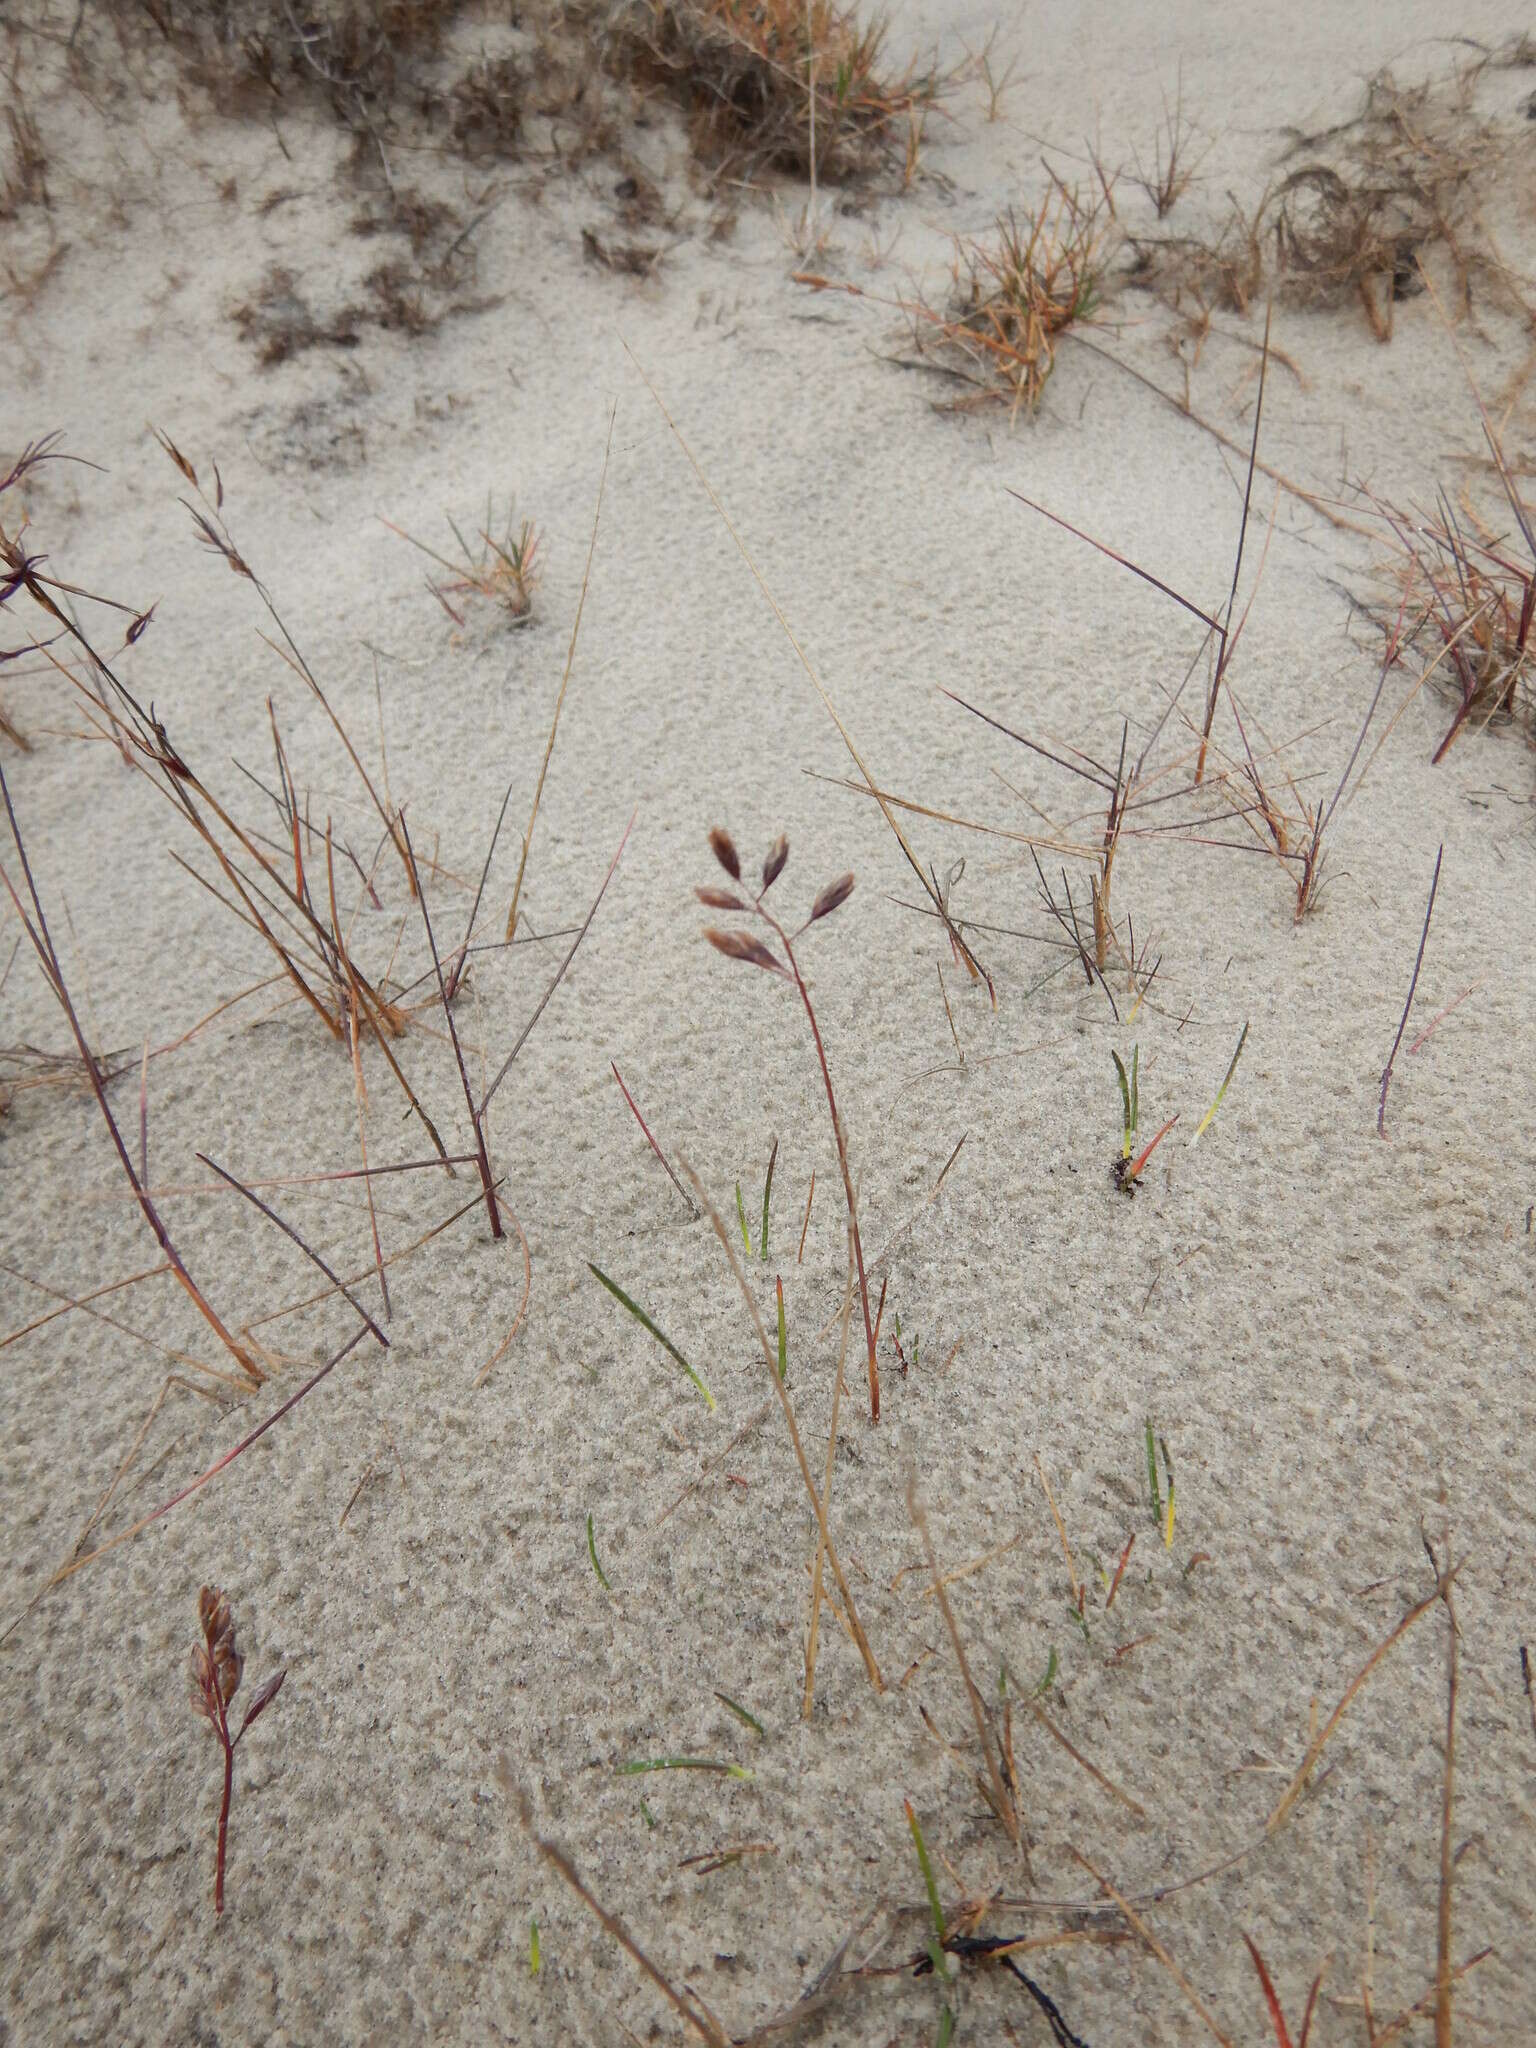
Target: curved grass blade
660,1335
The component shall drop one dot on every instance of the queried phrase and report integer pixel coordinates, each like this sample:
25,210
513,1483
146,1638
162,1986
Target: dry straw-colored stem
1325,1734
1140,1926
782,1392
570,658
999,1795
687,2005
812,1632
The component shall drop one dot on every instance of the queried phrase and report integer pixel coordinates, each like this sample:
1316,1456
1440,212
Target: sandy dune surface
1328,1330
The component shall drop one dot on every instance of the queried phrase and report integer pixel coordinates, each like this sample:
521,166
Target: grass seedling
1210,1114
602,1576
1127,1172
1048,1680
216,1668
1162,1444
1129,1100
935,1907
741,1218
1386,1072
1154,1490
642,1765
645,1323
533,1948
773,1154
747,1719
737,944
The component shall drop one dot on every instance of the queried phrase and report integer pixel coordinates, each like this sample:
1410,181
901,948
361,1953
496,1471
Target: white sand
1332,1332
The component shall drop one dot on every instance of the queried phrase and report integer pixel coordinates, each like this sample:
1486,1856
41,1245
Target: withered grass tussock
215,1671
782,85
1015,294
1356,212
1464,604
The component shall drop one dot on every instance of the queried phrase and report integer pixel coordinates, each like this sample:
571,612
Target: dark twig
1386,1072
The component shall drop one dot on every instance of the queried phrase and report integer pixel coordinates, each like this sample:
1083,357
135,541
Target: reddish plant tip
773,866
723,847
720,899
833,897
216,1663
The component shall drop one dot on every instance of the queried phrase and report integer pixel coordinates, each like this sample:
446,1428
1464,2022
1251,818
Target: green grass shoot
602,1576
741,1218
533,1948
1221,1091
642,1765
783,1339
773,1155
1127,1115
741,1713
641,1317
930,1885
1049,1679
946,2032
646,1815
1153,1488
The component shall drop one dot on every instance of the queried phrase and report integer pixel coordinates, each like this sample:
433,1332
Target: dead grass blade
1325,1734
570,658
691,2009
1140,1926
999,1793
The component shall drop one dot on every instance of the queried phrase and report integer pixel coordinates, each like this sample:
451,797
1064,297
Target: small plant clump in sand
786,85
1467,594
503,571
216,1667
741,945
1015,295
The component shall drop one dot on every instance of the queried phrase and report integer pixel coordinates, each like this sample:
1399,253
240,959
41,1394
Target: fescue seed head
833,897
742,946
773,866
723,847
216,1663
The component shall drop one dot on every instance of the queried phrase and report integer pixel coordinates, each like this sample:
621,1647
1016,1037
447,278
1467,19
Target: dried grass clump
1015,295
1360,210
1468,604
781,84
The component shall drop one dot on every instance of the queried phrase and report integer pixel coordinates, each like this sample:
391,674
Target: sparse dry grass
1355,212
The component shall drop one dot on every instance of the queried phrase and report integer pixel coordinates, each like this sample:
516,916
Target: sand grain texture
1331,1332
